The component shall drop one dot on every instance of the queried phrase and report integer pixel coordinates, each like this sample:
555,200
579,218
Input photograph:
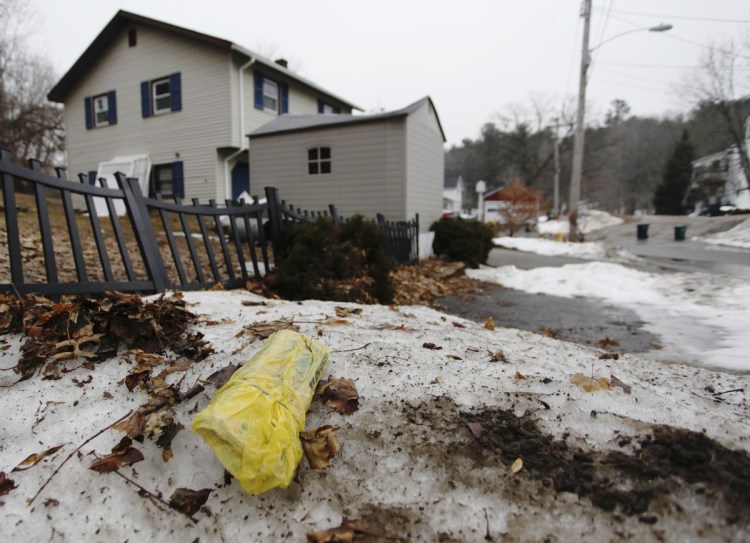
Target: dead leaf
320,446
262,330
6,485
82,383
33,459
336,322
617,383
590,384
436,381
517,466
250,303
454,357
51,502
123,454
403,328
520,376
549,332
188,501
607,342
355,531
431,346
219,378
498,356
164,424
340,394
609,356
344,312
457,325
489,324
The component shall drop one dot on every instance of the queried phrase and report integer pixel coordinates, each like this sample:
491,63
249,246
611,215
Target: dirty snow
701,318
739,236
590,250
404,455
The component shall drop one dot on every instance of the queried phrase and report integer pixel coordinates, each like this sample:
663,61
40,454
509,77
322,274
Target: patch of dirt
668,472
428,280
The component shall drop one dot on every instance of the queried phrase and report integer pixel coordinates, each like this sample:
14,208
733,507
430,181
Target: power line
681,17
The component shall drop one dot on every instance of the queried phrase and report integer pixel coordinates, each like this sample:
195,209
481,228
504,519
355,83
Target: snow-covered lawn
447,407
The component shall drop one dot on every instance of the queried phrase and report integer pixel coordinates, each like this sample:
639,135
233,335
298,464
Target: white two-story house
206,118
183,99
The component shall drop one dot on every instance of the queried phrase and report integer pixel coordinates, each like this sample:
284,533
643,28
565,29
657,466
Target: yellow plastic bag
253,422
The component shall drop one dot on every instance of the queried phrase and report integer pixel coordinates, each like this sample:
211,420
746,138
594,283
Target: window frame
95,111
154,96
317,163
273,95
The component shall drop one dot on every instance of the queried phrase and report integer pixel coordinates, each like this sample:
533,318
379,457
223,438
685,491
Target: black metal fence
153,245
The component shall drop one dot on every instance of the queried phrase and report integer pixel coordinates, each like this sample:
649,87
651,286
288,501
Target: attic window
101,110
319,160
132,37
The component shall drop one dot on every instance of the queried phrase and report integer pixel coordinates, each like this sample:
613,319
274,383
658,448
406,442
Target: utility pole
575,181
556,203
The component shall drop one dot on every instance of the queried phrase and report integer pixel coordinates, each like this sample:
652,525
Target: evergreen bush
327,261
462,240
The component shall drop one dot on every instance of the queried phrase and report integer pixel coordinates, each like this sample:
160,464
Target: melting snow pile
739,236
590,250
589,222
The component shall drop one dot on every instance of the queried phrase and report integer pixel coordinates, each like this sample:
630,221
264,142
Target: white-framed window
270,95
161,96
101,110
319,160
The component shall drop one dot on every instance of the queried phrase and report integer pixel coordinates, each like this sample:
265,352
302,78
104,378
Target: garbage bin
643,231
679,232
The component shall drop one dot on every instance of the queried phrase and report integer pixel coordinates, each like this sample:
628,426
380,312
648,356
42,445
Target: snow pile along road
462,433
590,250
591,221
739,236
689,311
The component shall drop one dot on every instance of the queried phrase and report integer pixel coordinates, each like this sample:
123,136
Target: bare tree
30,125
719,85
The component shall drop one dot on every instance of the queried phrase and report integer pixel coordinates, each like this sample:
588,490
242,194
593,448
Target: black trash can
643,231
679,232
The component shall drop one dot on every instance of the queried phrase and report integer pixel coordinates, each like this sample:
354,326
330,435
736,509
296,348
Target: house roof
298,123
123,18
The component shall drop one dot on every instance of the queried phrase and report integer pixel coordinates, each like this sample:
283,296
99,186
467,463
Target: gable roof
123,19
298,123
451,181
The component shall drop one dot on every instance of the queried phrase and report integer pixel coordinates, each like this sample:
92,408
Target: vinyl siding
424,167
190,135
368,168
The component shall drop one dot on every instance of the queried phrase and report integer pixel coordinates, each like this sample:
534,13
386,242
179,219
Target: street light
575,181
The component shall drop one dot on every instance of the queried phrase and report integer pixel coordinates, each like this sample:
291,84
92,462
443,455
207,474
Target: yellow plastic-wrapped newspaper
253,422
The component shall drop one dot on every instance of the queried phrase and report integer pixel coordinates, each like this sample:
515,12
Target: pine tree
675,179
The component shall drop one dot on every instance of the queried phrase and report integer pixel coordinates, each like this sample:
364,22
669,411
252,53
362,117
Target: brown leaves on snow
92,330
320,446
33,459
6,485
188,501
354,530
340,394
591,384
123,454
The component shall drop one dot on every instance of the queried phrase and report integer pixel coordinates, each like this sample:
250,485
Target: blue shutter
284,98
145,99
175,90
92,178
178,180
321,105
112,104
258,83
89,108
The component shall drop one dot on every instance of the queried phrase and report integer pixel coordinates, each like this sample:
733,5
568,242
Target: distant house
453,194
390,163
513,205
180,101
719,180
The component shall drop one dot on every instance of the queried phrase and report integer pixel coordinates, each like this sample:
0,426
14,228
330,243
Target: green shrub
462,240
325,261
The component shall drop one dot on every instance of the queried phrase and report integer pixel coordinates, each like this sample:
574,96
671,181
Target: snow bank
688,311
591,221
590,250
739,236
406,454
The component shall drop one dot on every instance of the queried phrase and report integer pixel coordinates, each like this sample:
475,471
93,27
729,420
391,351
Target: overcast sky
473,57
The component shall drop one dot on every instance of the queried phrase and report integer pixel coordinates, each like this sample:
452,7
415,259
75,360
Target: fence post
416,237
11,222
275,219
144,231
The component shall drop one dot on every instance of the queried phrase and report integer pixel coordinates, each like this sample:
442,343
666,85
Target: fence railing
155,245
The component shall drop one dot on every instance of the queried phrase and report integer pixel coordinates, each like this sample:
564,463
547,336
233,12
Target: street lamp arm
663,27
